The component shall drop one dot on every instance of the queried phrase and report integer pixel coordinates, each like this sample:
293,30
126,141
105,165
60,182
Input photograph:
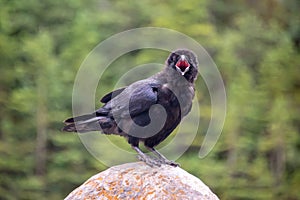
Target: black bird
147,110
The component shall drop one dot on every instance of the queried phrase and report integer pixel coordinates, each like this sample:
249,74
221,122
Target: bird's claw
152,162
170,162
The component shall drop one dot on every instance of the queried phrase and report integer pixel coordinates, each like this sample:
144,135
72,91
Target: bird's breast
176,100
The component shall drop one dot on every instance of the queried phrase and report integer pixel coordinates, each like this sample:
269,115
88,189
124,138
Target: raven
147,110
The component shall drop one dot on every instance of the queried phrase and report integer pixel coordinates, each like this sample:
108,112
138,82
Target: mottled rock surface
139,181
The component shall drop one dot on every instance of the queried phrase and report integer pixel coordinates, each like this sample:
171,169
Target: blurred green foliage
255,45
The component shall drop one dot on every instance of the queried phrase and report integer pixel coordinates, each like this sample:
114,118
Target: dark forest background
255,44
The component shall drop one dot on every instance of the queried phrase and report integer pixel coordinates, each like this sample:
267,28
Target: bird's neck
171,76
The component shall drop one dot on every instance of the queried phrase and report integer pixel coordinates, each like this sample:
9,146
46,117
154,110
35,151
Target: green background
255,45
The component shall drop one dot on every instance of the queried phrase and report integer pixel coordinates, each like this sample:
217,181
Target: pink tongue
182,64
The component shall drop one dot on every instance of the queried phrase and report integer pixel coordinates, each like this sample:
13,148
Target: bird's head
184,62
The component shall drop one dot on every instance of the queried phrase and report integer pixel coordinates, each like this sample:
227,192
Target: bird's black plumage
127,110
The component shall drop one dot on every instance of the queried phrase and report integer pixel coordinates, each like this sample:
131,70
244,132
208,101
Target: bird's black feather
106,98
135,99
172,88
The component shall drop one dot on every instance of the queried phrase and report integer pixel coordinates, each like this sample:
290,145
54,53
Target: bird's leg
162,158
147,159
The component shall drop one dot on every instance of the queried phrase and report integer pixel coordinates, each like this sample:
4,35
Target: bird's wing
111,95
134,100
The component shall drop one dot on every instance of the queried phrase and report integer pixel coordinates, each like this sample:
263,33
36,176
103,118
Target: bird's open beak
182,65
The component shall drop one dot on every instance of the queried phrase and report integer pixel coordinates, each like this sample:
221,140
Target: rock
140,181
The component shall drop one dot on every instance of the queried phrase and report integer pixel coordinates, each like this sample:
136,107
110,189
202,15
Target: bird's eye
175,57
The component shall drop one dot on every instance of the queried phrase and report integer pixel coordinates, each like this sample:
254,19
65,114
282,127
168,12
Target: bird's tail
87,123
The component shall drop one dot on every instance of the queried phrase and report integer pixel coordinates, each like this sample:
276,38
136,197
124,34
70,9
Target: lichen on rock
140,181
